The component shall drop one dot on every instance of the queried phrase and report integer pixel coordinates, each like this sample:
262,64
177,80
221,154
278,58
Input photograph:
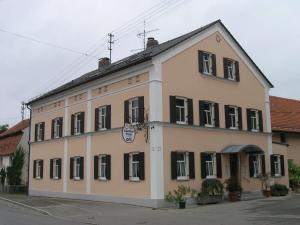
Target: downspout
29,149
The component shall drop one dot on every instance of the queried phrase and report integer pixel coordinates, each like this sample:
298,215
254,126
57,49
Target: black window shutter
108,167
249,124
61,123
51,168
225,66
126,111
82,122
203,165
201,113
227,119
261,124
34,169
172,109
191,165
96,119
200,61
272,158
214,65
81,173
35,132
108,117
219,165
142,165
216,111
251,166
173,165
190,112
240,118
71,168
42,168
141,109
263,164
59,168
126,166
96,167
52,129
43,130
282,165
237,71
72,124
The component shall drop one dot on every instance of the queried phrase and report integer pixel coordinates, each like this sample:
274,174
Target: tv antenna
110,43
23,110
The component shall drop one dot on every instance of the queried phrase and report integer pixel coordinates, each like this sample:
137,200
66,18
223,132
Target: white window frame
39,132
76,168
134,110
277,166
211,111
56,127
257,165
38,169
185,163
211,166
254,120
77,123
102,115
207,63
55,169
231,70
235,115
134,165
101,167
185,110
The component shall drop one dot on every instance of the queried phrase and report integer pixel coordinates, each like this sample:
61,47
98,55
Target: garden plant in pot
211,192
279,190
294,174
234,188
179,196
265,180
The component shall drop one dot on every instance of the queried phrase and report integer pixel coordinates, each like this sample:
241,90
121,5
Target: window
257,167
56,169
233,117
210,163
231,70
102,167
182,165
78,123
134,110
207,63
277,165
76,168
209,114
39,131
102,118
283,137
181,110
38,172
254,120
134,166
57,127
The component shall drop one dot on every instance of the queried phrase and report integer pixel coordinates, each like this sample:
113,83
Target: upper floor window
209,114
39,131
55,168
207,63
211,165
254,120
76,168
233,115
103,118
102,167
134,110
182,165
283,138
38,168
231,69
211,170
77,123
181,110
134,166
57,127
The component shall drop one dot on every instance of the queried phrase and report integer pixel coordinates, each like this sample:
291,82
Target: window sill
182,178
210,76
134,179
233,128
210,126
211,177
181,123
38,178
76,179
102,179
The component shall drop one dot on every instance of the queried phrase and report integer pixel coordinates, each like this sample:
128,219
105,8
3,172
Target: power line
46,43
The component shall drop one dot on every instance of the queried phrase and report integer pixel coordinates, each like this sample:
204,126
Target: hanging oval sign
128,133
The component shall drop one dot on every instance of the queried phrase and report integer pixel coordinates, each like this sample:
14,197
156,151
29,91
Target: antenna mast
110,43
23,110
144,35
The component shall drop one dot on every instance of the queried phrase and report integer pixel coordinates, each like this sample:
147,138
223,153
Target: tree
3,128
2,176
14,172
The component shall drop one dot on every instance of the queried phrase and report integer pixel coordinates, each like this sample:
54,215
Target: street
276,210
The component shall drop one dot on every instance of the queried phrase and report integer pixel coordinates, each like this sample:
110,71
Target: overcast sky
268,30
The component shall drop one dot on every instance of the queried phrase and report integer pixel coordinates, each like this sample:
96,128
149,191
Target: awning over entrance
242,148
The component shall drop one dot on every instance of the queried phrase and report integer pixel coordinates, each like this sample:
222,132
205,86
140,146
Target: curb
27,206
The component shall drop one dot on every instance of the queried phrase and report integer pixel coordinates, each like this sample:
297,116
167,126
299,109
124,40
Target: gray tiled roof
131,61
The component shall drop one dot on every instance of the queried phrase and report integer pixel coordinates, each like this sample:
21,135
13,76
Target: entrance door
234,165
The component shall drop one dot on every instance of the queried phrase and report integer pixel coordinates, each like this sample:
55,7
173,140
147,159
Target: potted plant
211,192
179,196
265,184
234,188
279,190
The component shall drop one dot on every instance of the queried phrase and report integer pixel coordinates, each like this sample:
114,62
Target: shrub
14,171
179,194
2,176
212,187
279,190
233,185
294,174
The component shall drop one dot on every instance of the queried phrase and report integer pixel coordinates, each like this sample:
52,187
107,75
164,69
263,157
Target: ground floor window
257,167
277,165
134,168
55,168
76,168
102,167
38,169
182,165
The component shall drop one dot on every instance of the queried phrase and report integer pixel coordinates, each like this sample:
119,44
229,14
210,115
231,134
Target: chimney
103,62
151,42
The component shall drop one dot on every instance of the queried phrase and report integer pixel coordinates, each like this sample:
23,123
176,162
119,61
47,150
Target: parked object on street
211,192
279,190
180,195
234,188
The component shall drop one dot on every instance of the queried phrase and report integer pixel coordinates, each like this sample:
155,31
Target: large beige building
201,110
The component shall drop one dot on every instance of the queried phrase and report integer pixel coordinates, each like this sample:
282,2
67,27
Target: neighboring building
202,107
10,140
285,114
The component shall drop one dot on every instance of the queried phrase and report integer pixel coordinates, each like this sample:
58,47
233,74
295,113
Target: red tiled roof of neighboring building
285,114
15,129
8,145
